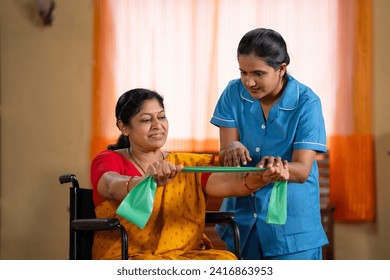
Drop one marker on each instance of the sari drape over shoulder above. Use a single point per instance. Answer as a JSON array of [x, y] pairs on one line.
[[175, 228]]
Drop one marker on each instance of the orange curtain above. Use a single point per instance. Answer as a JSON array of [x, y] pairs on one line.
[[352, 170], [156, 40], [103, 94]]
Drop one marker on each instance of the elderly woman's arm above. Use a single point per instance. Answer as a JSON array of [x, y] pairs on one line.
[[113, 185], [241, 184]]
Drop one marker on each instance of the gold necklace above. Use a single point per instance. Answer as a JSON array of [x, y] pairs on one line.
[[136, 160]]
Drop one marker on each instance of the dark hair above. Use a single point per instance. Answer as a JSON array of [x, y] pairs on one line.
[[266, 44], [128, 105]]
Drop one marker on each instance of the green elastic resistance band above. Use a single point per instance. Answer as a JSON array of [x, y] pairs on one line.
[[137, 206], [277, 206], [220, 169]]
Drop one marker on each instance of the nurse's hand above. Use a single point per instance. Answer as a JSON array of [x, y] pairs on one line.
[[235, 154]]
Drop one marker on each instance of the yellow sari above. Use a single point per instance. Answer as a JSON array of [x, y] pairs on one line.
[[175, 228]]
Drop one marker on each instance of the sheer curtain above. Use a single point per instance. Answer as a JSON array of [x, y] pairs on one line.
[[186, 51]]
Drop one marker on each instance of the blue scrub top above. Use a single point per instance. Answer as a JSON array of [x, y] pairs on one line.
[[294, 122]]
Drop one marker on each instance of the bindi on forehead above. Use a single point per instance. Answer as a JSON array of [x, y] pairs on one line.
[[153, 113]]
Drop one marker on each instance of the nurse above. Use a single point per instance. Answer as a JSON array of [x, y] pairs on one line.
[[269, 118]]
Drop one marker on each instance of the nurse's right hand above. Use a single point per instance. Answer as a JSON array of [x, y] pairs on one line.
[[235, 154]]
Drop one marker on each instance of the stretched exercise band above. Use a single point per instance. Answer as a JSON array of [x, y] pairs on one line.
[[137, 206]]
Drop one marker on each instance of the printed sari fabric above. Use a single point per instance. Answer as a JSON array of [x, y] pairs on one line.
[[175, 228]]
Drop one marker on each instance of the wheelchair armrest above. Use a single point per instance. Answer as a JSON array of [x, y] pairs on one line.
[[226, 218], [95, 224], [219, 217], [103, 224]]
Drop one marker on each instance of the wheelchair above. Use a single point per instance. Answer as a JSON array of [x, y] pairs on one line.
[[83, 222]]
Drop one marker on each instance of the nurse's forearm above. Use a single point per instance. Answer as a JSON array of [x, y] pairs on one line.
[[299, 172]]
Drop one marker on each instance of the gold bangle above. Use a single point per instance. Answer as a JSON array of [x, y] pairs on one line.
[[128, 183], [245, 184]]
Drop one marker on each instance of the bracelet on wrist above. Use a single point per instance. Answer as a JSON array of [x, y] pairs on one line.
[[128, 183], [245, 184]]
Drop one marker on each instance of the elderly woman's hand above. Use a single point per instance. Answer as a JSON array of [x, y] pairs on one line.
[[276, 169], [236, 153], [163, 172]]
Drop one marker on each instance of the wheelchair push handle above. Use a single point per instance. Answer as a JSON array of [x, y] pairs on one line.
[[69, 178]]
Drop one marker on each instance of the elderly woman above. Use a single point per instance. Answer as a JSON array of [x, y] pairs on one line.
[[175, 227]]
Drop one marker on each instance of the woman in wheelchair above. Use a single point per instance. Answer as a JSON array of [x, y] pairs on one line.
[[175, 227]]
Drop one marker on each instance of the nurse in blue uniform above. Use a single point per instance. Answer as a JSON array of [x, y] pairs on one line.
[[269, 118]]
